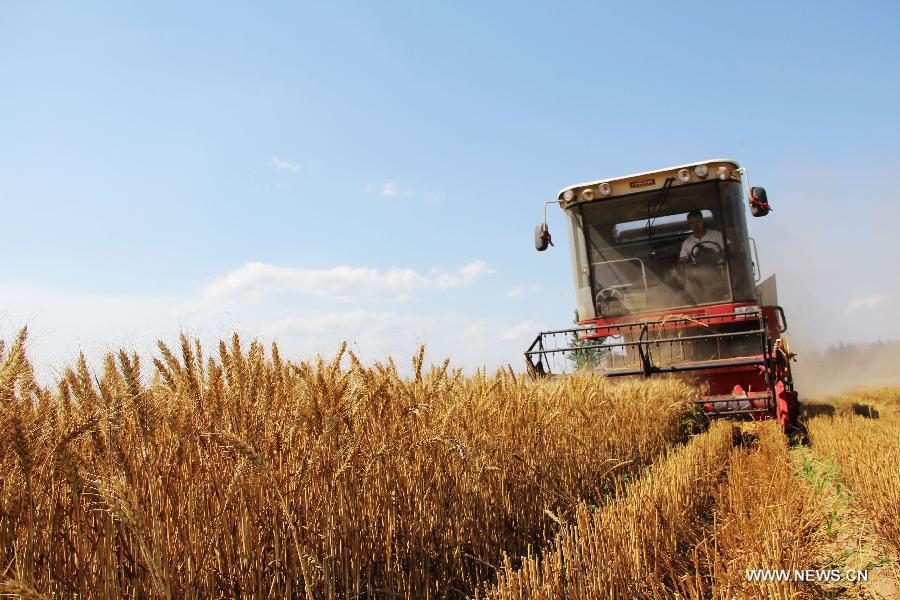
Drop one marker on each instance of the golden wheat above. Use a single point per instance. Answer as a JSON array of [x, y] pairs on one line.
[[239, 473], [865, 453], [243, 474], [630, 547], [764, 517]]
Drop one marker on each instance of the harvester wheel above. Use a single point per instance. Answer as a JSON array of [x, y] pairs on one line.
[[786, 407]]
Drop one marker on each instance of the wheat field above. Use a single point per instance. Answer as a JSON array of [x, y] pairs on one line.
[[236, 473]]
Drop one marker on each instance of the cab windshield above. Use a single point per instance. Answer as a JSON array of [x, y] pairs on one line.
[[668, 248]]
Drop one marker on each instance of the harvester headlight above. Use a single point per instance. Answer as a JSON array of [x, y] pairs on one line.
[[723, 173], [604, 189], [569, 195], [684, 175], [587, 194], [701, 171]]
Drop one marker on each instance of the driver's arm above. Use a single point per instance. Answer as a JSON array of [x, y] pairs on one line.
[[720, 255], [683, 256]]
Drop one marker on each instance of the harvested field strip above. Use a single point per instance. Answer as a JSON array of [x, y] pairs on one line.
[[764, 518], [634, 546], [864, 455], [243, 474], [692, 527], [863, 402]]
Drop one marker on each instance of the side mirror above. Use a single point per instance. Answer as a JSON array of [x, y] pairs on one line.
[[541, 237], [759, 202]]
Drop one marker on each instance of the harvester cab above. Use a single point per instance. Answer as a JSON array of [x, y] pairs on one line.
[[667, 281]]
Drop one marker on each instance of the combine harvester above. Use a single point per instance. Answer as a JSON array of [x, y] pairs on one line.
[[665, 283]]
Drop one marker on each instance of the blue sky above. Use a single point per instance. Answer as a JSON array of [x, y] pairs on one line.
[[309, 172]]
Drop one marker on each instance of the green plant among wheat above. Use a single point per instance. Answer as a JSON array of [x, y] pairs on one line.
[[585, 358]]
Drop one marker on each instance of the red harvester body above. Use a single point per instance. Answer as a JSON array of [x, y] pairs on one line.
[[665, 284]]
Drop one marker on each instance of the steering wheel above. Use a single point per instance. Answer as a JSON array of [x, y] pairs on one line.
[[702, 252], [610, 293], [612, 298]]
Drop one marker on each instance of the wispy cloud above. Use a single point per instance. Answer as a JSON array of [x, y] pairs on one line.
[[388, 189], [521, 331], [468, 342], [434, 197], [518, 292], [391, 189], [867, 303], [284, 164], [256, 280], [105, 323]]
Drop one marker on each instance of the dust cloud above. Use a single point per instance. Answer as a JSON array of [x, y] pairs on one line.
[[842, 368], [833, 244]]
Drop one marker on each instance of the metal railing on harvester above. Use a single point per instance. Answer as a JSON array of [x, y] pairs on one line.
[[673, 344]]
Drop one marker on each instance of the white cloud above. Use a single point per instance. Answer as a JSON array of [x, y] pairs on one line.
[[283, 164], [866, 304], [296, 307], [388, 189], [464, 277], [522, 331], [519, 292], [256, 280], [375, 335], [61, 324], [434, 197]]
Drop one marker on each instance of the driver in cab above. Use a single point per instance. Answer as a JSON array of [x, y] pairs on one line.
[[711, 237], [703, 252]]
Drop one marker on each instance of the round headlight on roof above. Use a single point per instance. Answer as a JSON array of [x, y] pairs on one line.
[[604, 189], [587, 194], [723, 173], [701, 171], [684, 175], [569, 195]]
